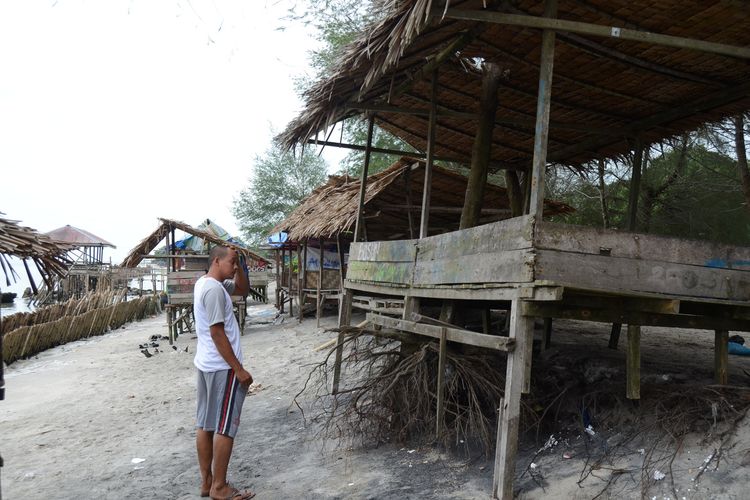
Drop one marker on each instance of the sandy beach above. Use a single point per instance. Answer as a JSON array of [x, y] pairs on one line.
[[97, 419]]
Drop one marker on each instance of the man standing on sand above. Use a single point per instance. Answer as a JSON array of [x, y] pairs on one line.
[[222, 380]]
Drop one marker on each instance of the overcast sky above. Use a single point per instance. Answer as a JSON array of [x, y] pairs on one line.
[[116, 112]]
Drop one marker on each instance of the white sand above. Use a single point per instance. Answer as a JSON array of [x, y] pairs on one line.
[[76, 416]]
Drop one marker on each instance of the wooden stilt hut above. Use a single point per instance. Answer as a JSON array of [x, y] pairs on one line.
[[326, 220], [188, 263], [516, 86], [89, 270]]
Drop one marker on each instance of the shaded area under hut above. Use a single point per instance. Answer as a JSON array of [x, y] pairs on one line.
[[515, 86], [392, 210], [187, 260]]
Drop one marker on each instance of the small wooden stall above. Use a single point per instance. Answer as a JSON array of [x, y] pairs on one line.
[[188, 264], [515, 86], [327, 217]]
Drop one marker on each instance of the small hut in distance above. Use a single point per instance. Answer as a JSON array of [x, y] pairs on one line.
[[89, 270], [392, 211]]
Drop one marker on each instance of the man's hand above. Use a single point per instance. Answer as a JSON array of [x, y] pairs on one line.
[[244, 378]]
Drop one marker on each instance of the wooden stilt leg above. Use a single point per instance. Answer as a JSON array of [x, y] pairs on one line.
[[547, 343], [614, 335], [634, 362], [441, 381], [721, 356], [345, 317], [411, 306], [486, 321], [521, 329]]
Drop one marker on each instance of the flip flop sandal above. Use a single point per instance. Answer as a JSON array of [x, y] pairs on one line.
[[237, 495]]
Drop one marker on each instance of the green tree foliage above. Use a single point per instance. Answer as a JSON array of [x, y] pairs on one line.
[[280, 180], [338, 23], [695, 193]]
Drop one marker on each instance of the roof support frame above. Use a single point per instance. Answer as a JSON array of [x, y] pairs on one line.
[[582, 28]]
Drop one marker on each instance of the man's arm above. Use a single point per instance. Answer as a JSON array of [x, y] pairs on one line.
[[219, 336], [241, 285]]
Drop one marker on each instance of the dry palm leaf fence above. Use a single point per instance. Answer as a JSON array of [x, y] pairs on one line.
[[390, 396], [94, 314]]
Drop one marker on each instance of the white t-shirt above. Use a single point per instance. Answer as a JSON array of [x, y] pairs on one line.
[[212, 304]]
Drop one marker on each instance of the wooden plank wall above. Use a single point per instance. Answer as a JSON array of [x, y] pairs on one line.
[[500, 252], [598, 259]]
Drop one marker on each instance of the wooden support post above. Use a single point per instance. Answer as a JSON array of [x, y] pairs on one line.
[[319, 297], [614, 335], [345, 318], [407, 186], [515, 195], [340, 250], [427, 187], [633, 371], [539, 162], [289, 294], [721, 356], [358, 228], [480, 154], [278, 281], [301, 264], [547, 342], [411, 306], [521, 329], [486, 320], [441, 382]]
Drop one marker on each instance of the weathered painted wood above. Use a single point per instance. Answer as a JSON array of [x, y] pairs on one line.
[[385, 272], [606, 273], [596, 241], [512, 266], [509, 234], [483, 291], [453, 334], [721, 356], [384, 251], [633, 360], [521, 331]]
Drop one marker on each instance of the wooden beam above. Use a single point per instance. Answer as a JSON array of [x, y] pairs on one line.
[[633, 360], [541, 134], [424, 222], [599, 30], [553, 310], [482, 149], [444, 111], [441, 381], [521, 331], [358, 228], [721, 356], [458, 335]]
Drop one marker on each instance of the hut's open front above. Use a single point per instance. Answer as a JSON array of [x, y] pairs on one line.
[[187, 261], [476, 86], [327, 218]]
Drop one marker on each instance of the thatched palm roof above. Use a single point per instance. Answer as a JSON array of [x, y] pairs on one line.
[[605, 90], [331, 209], [77, 236], [26, 243], [152, 240]]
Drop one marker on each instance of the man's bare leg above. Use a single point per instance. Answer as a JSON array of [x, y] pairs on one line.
[[204, 442], [222, 451]]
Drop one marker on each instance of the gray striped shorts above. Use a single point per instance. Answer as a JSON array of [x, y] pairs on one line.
[[220, 398]]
